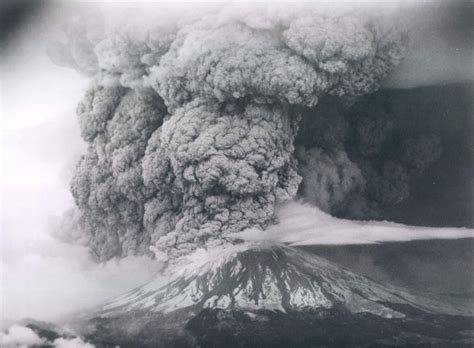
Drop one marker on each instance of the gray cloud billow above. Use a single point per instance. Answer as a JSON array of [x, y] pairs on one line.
[[193, 127], [356, 161]]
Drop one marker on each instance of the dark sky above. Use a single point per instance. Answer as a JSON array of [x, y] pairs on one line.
[[439, 267], [14, 15], [441, 44], [443, 194]]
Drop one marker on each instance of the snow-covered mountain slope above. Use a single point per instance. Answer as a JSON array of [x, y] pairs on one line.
[[274, 296], [274, 278]]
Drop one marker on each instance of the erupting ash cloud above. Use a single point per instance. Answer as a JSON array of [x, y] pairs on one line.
[[197, 128], [357, 160]]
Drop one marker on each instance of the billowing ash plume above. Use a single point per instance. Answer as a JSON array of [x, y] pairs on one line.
[[191, 126], [357, 160], [108, 185]]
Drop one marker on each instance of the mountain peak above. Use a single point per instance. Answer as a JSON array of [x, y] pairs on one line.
[[271, 278], [270, 296]]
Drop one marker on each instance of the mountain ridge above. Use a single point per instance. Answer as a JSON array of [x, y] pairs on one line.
[[272, 296]]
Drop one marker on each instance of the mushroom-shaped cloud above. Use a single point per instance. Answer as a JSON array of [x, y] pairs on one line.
[[221, 156]]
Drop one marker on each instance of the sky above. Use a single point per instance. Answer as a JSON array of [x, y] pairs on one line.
[[40, 144]]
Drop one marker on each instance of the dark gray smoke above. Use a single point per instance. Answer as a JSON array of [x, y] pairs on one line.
[[358, 160], [191, 126]]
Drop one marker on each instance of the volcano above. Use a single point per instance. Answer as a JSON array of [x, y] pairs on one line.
[[275, 297]]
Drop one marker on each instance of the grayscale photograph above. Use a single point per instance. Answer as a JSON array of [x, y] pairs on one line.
[[236, 174]]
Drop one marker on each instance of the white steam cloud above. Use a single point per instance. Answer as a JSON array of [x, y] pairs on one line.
[[23, 336], [20, 336], [304, 224]]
